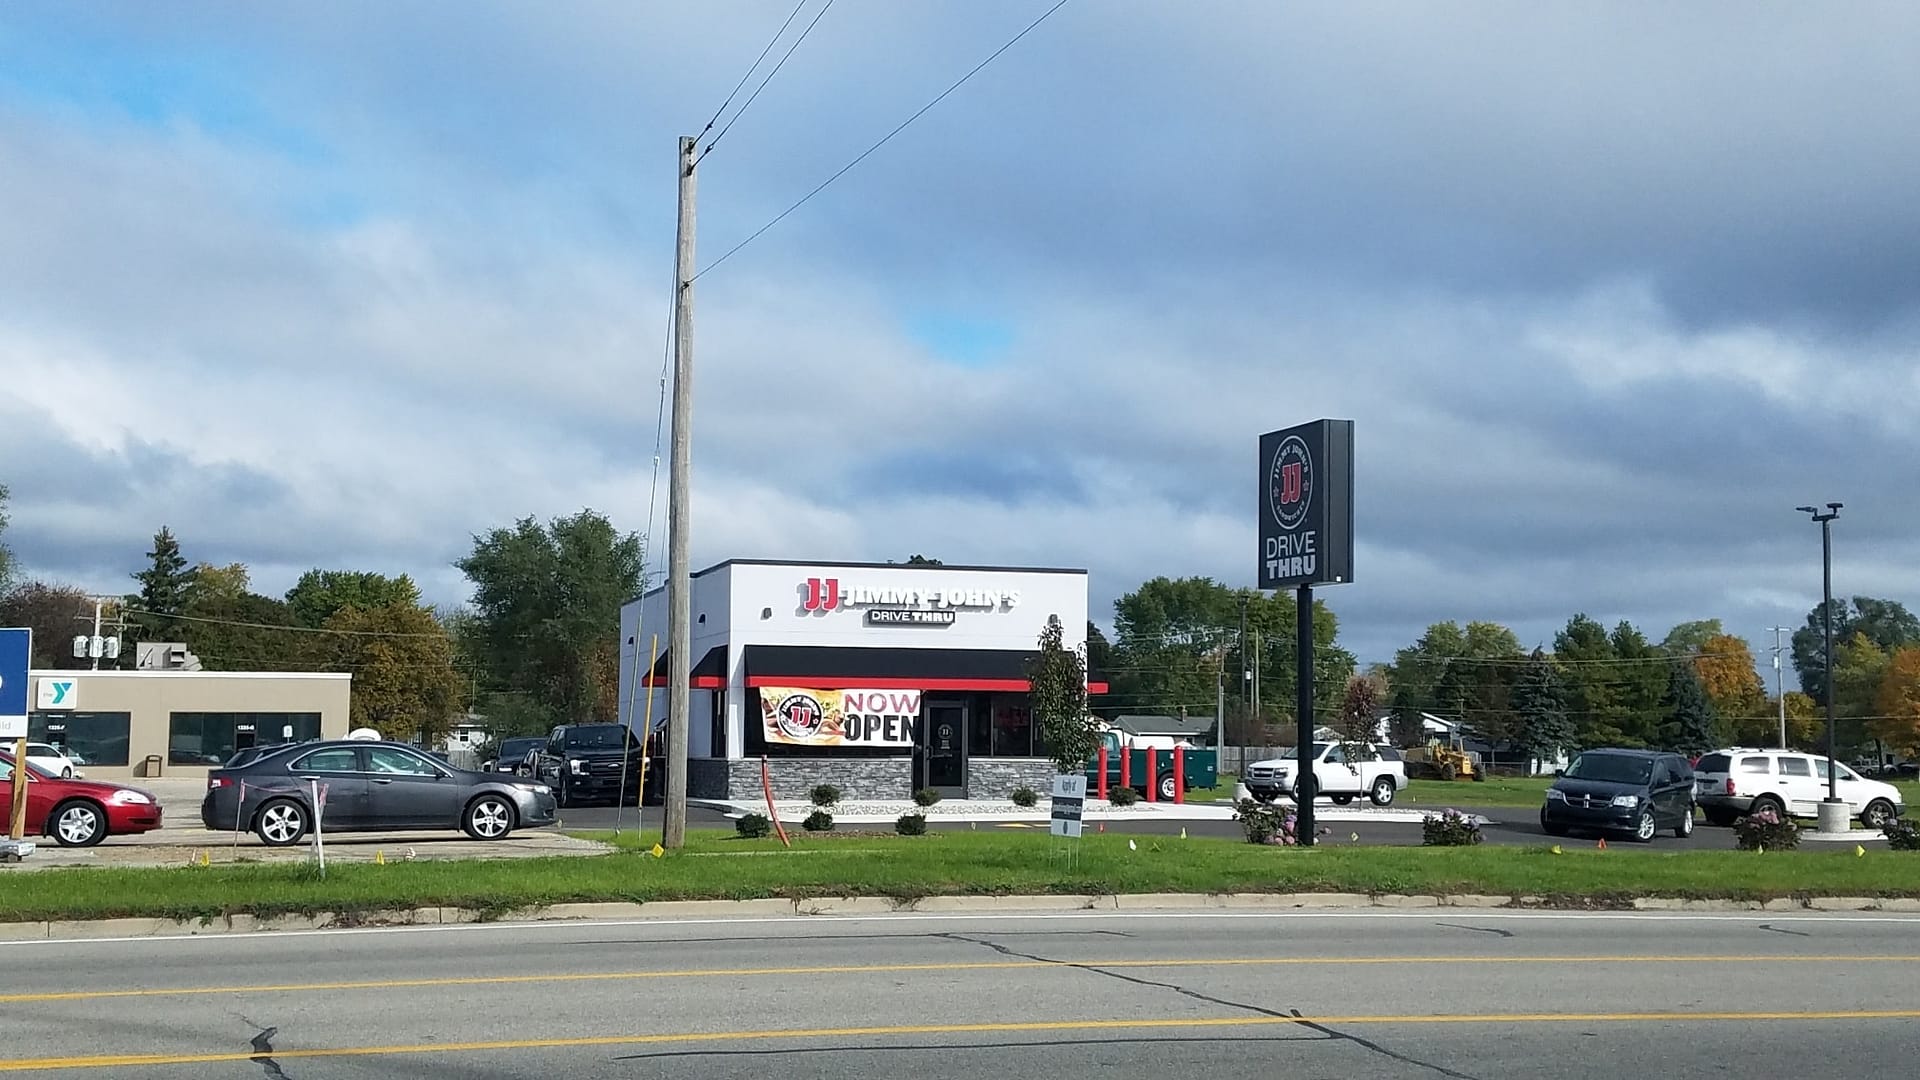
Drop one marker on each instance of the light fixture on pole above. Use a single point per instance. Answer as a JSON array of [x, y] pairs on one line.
[[1826, 620]]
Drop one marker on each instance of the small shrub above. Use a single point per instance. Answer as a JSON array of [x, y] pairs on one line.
[[911, 825], [926, 796], [752, 826], [1124, 796], [825, 795], [1025, 796], [1765, 830], [1266, 823], [1449, 828], [1903, 834], [819, 821]]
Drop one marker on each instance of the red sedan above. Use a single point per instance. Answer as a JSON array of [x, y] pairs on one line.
[[79, 813]]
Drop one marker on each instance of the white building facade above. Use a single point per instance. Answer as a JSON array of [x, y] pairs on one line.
[[878, 678]]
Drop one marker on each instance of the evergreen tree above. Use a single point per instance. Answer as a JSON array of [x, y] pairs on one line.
[[1543, 728], [1691, 726], [165, 587]]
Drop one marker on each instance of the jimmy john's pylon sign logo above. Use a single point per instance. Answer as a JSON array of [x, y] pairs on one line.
[[1306, 505]]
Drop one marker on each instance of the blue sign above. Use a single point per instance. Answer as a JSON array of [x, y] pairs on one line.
[[16, 654]]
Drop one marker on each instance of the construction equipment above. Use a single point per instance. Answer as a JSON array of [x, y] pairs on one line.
[[1439, 761]]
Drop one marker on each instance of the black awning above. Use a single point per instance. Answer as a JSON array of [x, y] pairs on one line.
[[709, 674], [832, 667]]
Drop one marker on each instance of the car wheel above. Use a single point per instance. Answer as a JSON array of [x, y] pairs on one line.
[[1263, 797], [1169, 788], [78, 824], [1878, 814], [280, 823], [1685, 828], [1382, 793], [1550, 828], [1645, 829], [1768, 802], [66, 772], [1341, 800], [489, 817]]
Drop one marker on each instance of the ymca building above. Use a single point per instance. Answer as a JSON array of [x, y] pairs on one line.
[[878, 678]]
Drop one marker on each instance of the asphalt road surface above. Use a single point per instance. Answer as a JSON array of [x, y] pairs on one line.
[[1457, 994]]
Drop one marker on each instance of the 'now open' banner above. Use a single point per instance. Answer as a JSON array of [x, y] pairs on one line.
[[806, 717]]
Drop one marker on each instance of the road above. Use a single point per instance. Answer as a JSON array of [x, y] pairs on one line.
[[1457, 994]]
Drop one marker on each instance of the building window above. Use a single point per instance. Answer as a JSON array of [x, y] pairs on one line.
[[1012, 727], [211, 738], [89, 738]]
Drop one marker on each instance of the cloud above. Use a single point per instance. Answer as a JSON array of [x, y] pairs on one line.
[[1606, 296]]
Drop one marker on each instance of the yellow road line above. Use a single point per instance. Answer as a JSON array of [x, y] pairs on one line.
[[105, 1061], [872, 969]]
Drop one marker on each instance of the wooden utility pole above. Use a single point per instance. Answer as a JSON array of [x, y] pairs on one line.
[[680, 514]]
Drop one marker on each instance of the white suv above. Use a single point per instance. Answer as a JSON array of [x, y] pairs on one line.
[[1732, 783]]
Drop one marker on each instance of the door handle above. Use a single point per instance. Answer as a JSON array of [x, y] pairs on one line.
[[382, 780]]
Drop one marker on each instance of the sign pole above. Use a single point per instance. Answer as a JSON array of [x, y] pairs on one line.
[[17, 820], [1307, 787], [16, 660]]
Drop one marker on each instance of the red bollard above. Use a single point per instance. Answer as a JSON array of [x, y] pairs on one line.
[[1179, 774], [1103, 772], [1126, 767], [1153, 775]]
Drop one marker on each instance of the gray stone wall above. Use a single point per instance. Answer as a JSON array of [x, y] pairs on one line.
[[707, 778], [995, 778], [795, 778]]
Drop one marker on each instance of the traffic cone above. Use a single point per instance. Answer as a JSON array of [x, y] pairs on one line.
[[1858, 850], [1602, 844]]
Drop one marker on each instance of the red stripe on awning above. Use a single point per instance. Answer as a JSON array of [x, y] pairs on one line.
[[838, 682]]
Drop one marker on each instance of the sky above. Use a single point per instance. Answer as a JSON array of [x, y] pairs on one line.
[[1607, 290]]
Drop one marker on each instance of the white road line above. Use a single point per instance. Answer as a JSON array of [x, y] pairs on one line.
[[1422, 914]]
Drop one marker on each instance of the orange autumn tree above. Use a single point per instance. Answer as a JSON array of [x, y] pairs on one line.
[[1725, 666], [1898, 702]]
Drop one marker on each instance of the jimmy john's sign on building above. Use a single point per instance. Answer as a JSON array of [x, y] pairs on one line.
[[1306, 505], [802, 717], [902, 606]]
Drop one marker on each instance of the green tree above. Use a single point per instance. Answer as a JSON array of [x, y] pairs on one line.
[[1641, 675], [1689, 638], [1886, 623], [401, 657], [55, 614], [165, 587], [546, 610], [1425, 678], [1542, 729], [232, 628], [1691, 726], [7, 566], [1360, 711], [1099, 652], [320, 594], [922, 560], [1058, 681], [1897, 704]]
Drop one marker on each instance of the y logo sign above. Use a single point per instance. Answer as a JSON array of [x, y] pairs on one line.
[[57, 694]]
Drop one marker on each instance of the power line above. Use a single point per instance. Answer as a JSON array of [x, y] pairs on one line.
[[771, 42], [293, 629], [763, 82], [755, 235]]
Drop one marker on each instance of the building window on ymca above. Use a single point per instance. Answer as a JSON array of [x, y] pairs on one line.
[[89, 738], [212, 738]]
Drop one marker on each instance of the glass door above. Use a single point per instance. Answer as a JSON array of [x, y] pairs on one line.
[[941, 758]]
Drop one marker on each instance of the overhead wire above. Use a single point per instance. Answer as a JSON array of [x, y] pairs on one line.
[[888, 137], [745, 105], [771, 42]]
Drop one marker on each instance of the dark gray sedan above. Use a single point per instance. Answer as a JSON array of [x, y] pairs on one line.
[[366, 786]]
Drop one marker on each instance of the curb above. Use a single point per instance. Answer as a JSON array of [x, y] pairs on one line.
[[85, 929]]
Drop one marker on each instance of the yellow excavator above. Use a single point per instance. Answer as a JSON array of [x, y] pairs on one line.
[[1440, 761]]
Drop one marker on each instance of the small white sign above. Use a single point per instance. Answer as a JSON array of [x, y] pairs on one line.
[[57, 694], [1069, 797]]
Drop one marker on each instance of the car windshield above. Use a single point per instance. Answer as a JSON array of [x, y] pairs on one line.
[[608, 737], [1611, 768], [1292, 752], [517, 747]]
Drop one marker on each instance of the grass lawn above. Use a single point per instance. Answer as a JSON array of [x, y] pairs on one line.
[[718, 866]]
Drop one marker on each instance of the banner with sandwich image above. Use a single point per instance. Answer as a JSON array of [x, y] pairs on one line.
[[802, 717]]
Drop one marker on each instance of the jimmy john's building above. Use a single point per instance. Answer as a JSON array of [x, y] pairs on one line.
[[878, 678]]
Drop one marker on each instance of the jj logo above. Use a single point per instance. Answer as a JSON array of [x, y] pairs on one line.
[[822, 594]]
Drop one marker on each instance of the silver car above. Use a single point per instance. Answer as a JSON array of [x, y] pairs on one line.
[[355, 785]]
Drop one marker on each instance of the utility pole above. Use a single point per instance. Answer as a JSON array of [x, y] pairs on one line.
[[680, 513], [1779, 683]]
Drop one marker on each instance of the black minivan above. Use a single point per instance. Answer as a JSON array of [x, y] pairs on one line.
[[1637, 792]]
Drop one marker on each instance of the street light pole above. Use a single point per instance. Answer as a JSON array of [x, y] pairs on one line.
[[1826, 620]]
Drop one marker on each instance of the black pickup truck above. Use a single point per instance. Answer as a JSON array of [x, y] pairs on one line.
[[587, 762]]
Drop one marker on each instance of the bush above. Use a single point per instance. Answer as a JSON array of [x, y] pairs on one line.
[[819, 821], [911, 825], [752, 826], [1025, 796], [926, 796], [1765, 830], [824, 795], [1123, 796], [1449, 828], [1903, 834], [1265, 823]]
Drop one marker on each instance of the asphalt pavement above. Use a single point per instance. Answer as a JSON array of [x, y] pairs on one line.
[[1460, 994]]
